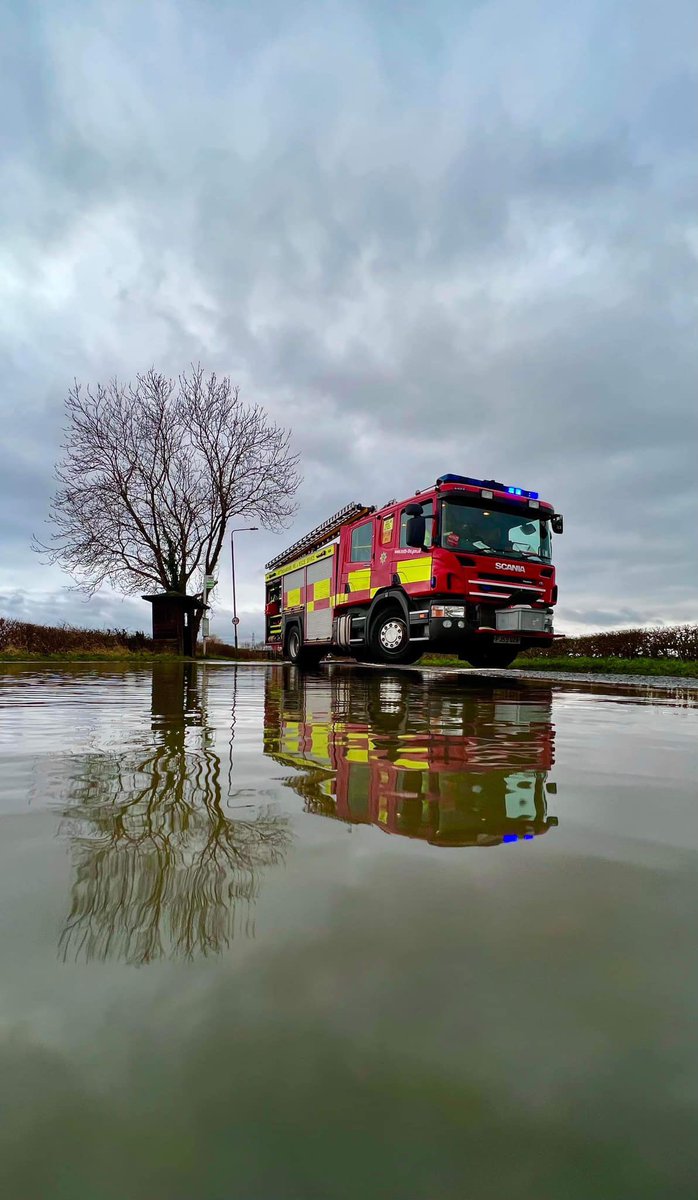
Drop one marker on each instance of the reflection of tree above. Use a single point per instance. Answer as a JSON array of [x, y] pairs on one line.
[[161, 869]]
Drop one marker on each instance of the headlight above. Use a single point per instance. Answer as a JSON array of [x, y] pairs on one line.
[[448, 610]]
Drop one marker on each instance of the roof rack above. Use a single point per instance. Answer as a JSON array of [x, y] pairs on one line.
[[321, 534]]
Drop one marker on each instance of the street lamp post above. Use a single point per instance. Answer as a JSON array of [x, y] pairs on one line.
[[244, 529]]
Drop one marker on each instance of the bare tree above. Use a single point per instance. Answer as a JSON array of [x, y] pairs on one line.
[[152, 473]]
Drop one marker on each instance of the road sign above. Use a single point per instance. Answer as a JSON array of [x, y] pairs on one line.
[[209, 582], [236, 620]]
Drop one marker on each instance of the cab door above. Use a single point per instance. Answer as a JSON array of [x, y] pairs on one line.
[[386, 532], [354, 578], [413, 567]]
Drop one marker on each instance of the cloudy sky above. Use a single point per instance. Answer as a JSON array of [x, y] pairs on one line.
[[446, 236]]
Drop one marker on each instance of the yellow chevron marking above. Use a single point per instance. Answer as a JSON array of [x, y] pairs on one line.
[[414, 570], [357, 756], [320, 742], [321, 589], [310, 606], [360, 581], [293, 598]]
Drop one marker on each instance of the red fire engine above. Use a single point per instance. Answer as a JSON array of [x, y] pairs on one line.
[[433, 761], [463, 567]]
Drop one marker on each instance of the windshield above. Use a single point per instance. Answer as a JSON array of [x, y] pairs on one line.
[[486, 531]]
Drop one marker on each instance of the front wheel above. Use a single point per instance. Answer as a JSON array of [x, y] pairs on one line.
[[491, 656], [389, 639]]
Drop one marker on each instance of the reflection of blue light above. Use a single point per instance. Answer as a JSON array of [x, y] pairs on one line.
[[528, 837], [510, 837]]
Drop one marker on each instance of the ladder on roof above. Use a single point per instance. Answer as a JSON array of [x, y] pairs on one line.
[[321, 534]]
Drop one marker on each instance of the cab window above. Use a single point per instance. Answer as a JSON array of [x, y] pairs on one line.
[[428, 510], [361, 542]]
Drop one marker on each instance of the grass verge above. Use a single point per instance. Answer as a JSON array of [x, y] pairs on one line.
[[13, 655], [587, 665], [612, 666]]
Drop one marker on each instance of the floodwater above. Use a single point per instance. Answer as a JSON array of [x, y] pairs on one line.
[[363, 933]]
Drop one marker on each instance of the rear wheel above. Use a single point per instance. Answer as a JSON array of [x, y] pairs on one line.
[[300, 654], [389, 640], [491, 656]]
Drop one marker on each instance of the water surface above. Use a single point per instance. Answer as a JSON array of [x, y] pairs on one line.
[[359, 933]]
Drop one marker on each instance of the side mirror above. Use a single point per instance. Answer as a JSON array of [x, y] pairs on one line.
[[416, 532], [557, 523]]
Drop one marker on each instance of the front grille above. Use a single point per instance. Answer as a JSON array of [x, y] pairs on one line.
[[504, 578], [517, 590]]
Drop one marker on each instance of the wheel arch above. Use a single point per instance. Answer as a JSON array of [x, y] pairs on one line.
[[386, 598], [289, 623]]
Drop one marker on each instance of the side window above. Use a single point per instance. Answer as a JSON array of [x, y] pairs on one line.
[[361, 542], [428, 510]]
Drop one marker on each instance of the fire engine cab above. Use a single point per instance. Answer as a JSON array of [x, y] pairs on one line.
[[462, 567]]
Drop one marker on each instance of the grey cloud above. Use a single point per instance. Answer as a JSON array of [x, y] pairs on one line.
[[459, 240], [615, 617], [68, 607]]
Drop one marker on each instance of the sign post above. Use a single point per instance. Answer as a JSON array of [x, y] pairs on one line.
[[209, 584], [243, 529]]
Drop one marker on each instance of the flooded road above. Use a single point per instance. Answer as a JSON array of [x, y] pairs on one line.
[[366, 933]]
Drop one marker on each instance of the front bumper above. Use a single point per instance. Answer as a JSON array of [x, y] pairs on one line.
[[519, 625]]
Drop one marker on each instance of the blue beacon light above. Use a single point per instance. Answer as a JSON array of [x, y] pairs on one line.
[[514, 491], [488, 483], [510, 837]]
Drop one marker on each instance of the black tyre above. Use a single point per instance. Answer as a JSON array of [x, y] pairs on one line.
[[491, 656], [389, 640], [307, 657]]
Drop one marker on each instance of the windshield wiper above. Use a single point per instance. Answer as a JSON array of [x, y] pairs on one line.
[[505, 553]]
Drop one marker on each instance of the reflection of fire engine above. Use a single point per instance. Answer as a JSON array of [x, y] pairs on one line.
[[431, 761]]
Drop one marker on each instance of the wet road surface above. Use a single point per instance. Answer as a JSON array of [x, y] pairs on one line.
[[380, 933]]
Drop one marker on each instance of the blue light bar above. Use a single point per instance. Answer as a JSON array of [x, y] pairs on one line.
[[510, 837], [522, 492], [488, 483]]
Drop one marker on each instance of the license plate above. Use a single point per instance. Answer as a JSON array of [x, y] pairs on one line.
[[511, 641]]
